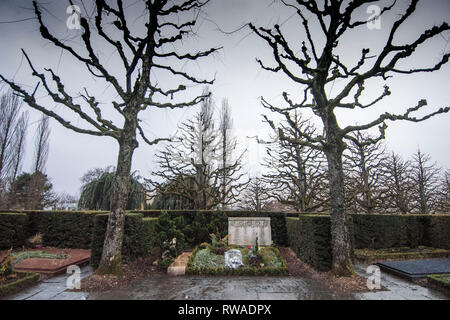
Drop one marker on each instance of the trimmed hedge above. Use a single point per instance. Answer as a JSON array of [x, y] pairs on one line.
[[61, 229], [309, 235], [12, 230], [439, 231], [68, 229], [375, 231], [138, 237], [310, 238], [196, 220]]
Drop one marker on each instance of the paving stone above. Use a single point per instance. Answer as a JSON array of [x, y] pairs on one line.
[[163, 287], [178, 267], [50, 288]]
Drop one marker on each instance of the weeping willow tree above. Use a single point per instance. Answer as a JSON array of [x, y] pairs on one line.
[[176, 195], [96, 193]]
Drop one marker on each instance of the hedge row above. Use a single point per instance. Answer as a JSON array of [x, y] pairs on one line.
[[68, 230], [12, 226], [74, 229], [310, 238], [389, 231], [439, 231], [61, 229], [309, 235], [138, 238], [200, 223]]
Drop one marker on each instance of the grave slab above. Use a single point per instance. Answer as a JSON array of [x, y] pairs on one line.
[[242, 231], [416, 269]]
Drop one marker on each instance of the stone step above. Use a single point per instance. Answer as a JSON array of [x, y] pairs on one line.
[[178, 267]]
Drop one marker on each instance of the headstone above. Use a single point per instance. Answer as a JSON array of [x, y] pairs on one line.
[[233, 258], [243, 231]]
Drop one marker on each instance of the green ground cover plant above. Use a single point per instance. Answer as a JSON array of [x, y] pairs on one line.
[[206, 259]]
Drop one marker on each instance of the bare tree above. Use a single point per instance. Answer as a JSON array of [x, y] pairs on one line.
[[425, 176], [398, 184], [443, 196], [19, 145], [315, 65], [228, 145], [41, 144], [363, 165], [9, 114], [195, 165], [296, 174], [143, 53], [255, 195]]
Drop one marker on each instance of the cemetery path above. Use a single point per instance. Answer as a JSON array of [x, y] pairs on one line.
[[164, 287]]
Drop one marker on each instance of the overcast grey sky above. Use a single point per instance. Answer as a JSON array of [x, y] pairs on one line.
[[238, 78]]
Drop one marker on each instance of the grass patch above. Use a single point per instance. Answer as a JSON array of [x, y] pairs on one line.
[[19, 256], [400, 253], [204, 261], [440, 282]]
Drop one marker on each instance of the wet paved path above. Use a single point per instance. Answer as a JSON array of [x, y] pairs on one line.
[[222, 288], [54, 288], [163, 287], [399, 289]]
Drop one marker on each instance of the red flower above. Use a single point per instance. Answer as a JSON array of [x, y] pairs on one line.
[[249, 247]]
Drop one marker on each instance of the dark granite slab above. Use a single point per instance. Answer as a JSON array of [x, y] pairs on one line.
[[414, 269]]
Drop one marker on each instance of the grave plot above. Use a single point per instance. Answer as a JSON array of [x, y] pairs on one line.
[[50, 261], [247, 250], [416, 269]]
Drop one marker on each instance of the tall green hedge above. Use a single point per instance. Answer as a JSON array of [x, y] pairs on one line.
[[138, 237], [309, 235], [378, 231], [200, 223], [310, 238], [61, 229], [12, 230], [439, 231], [68, 229]]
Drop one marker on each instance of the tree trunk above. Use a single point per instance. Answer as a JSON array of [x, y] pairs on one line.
[[340, 238], [111, 261]]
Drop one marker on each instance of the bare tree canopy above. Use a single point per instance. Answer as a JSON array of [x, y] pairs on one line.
[[195, 166], [42, 144], [314, 65], [398, 184], [296, 174], [255, 196], [9, 119], [19, 145], [363, 164], [142, 54], [425, 177]]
